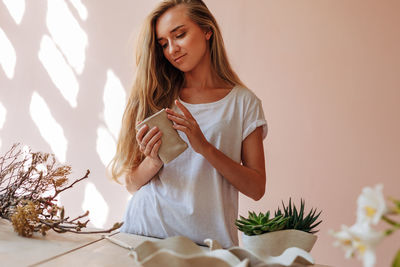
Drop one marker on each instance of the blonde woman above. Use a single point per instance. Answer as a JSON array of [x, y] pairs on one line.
[[182, 66]]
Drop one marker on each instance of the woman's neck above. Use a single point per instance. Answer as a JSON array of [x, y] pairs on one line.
[[204, 80], [203, 76]]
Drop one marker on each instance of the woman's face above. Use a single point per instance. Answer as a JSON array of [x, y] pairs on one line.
[[183, 42]]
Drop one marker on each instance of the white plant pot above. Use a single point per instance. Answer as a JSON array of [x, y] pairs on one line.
[[275, 243]]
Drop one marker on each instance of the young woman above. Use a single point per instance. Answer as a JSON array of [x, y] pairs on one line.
[[182, 66]]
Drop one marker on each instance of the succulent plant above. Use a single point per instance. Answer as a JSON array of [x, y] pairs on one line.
[[260, 224], [296, 219], [289, 218]]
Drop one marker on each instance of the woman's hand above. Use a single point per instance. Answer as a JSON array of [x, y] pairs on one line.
[[187, 124], [149, 143]]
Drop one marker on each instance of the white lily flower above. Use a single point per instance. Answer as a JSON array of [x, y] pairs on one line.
[[365, 241], [344, 240], [371, 205], [359, 239]]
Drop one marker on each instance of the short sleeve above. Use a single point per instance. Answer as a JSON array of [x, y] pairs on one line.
[[253, 116]]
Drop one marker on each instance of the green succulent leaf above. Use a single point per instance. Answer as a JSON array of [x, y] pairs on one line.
[[289, 217]]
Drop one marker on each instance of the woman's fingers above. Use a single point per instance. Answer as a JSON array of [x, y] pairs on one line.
[[156, 147], [173, 113], [186, 119], [181, 128], [149, 142], [185, 111], [179, 120], [154, 139], [147, 139], [141, 132], [187, 124], [153, 131]]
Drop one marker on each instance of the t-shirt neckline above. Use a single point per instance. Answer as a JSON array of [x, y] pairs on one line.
[[210, 103]]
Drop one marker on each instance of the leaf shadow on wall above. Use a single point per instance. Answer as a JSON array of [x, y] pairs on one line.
[[77, 107]]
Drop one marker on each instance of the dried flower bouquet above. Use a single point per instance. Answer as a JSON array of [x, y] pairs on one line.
[[30, 183]]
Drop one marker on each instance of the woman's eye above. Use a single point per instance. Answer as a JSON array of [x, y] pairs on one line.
[[181, 35], [164, 45]]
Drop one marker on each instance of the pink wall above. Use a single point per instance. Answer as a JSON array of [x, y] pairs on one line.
[[327, 73]]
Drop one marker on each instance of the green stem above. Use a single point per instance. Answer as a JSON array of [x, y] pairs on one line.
[[396, 261], [390, 221], [389, 231], [393, 211]]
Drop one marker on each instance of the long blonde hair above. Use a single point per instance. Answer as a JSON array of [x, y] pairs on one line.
[[157, 82]]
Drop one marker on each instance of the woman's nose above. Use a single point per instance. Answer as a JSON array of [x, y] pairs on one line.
[[173, 48]]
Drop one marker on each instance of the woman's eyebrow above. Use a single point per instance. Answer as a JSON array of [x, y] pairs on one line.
[[173, 30]]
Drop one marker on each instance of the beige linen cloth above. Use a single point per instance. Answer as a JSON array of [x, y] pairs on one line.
[[172, 144]]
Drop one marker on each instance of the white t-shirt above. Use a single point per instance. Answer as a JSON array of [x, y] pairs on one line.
[[189, 197]]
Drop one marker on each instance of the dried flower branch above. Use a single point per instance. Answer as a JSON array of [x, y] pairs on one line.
[[29, 185]]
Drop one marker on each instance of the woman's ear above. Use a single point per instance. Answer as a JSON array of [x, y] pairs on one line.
[[208, 34]]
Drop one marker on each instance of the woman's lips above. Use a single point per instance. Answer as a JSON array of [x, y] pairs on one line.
[[178, 59]]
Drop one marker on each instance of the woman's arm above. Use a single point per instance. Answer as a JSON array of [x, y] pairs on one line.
[[149, 143], [248, 178], [142, 174]]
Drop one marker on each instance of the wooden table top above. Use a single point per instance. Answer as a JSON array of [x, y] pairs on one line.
[[66, 249]]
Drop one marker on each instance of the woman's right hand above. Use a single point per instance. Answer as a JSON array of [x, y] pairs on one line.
[[149, 142]]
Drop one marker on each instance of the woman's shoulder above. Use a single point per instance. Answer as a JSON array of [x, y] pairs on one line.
[[245, 93]]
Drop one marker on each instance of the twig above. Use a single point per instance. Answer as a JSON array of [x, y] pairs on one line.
[[22, 188], [71, 185]]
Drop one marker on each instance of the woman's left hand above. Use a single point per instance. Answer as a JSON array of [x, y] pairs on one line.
[[187, 124]]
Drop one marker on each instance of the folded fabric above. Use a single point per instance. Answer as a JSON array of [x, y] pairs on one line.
[[172, 144], [181, 251]]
